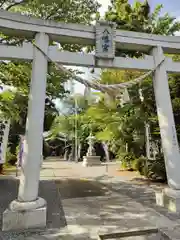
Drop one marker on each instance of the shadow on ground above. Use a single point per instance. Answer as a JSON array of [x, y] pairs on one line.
[[53, 191], [75, 188], [143, 194], [84, 201], [47, 189]]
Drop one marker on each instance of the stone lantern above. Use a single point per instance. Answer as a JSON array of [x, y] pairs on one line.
[[91, 159], [91, 151]]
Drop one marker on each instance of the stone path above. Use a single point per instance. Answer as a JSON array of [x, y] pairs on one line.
[[86, 202]]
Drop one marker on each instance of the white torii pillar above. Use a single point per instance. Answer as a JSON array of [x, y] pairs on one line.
[[29, 211], [171, 196]]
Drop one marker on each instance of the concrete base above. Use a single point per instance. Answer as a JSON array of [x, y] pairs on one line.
[[91, 161], [22, 220], [25, 215], [170, 199]]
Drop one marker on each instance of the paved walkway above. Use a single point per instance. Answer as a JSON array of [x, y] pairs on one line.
[[86, 202]]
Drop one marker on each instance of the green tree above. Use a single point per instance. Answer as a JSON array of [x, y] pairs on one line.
[[16, 75], [139, 18], [125, 125], [74, 121]]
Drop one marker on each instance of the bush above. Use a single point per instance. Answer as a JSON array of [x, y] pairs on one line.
[[46, 149], [11, 159], [1, 168], [139, 165], [153, 169], [127, 160], [157, 168]]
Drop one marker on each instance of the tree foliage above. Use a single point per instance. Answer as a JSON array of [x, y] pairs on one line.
[[16, 76], [139, 17], [123, 127]]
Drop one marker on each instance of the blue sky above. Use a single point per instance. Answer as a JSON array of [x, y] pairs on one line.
[[172, 6]]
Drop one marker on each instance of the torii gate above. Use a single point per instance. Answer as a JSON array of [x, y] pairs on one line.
[[28, 210]]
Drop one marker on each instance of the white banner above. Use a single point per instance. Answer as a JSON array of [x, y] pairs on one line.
[[4, 134], [21, 150]]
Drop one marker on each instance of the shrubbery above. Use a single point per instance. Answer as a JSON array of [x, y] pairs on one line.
[[152, 169], [11, 159], [127, 160]]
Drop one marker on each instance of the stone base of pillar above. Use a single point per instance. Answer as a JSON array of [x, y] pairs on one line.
[[170, 199], [91, 161], [25, 215]]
